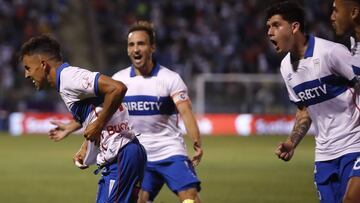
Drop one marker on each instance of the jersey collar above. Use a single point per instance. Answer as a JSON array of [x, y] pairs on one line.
[[153, 72], [310, 49], [58, 72]]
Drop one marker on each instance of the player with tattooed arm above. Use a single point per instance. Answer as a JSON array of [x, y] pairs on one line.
[[321, 82]]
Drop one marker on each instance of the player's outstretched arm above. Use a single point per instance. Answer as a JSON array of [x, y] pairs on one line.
[[62, 130], [285, 150], [192, 129], [114, 92]]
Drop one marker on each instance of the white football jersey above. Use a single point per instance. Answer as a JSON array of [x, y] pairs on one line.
[[79, 89], [355, 51], [321, 82], [151, 104]]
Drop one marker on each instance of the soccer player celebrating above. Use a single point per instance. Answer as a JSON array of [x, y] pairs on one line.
[[346, 20], [95, 103], [320, 81], [154, 98]]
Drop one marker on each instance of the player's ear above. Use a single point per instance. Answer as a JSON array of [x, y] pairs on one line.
[[45, 66], [355, 14], [153, 48], [295, 26]]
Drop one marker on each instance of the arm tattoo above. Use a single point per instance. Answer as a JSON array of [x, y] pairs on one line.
[[302, 125]]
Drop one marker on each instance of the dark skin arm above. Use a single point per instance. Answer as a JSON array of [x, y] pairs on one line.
[[285, 150], [62, 130], [114, 92], [80, 155]]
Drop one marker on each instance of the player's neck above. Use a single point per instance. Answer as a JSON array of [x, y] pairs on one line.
[[357, 33], [299, 48], [51, 77], [146, 70]]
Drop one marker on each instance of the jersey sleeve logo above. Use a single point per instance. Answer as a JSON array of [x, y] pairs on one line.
[[86, 82], [289, 77]]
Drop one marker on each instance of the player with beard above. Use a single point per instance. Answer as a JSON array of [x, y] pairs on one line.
[[321, 82], [155, 98], [346, 20]]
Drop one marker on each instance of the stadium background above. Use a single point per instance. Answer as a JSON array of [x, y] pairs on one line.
[[193, 38]]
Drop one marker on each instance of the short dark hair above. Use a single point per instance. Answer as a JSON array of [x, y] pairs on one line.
[[42, 44], [355, 1], [289, 11], [144, 26]]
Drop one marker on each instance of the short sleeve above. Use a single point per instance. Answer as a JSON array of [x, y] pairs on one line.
[[80, 82], [340, 62], [178, 90]]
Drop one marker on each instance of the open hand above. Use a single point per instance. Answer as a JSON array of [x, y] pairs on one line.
[[59, 132]]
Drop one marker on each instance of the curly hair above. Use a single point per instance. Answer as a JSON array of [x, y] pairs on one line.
[[42, 44]]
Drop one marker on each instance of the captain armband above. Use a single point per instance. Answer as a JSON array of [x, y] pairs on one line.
[[180, 97]]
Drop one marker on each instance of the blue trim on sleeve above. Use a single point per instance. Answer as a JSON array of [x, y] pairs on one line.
[[356, 70], [310, 49], [96, 84], [58, 73]]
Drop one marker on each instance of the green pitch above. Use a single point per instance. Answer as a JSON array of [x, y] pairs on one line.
[[34, 169]]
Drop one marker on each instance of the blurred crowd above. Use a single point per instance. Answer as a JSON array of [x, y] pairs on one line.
[[20, 20], [215, 36], [193, 36]]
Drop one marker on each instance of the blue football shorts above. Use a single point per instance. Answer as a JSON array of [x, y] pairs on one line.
[[120, 181], [355, 172], [331, 177], [176, 171]]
